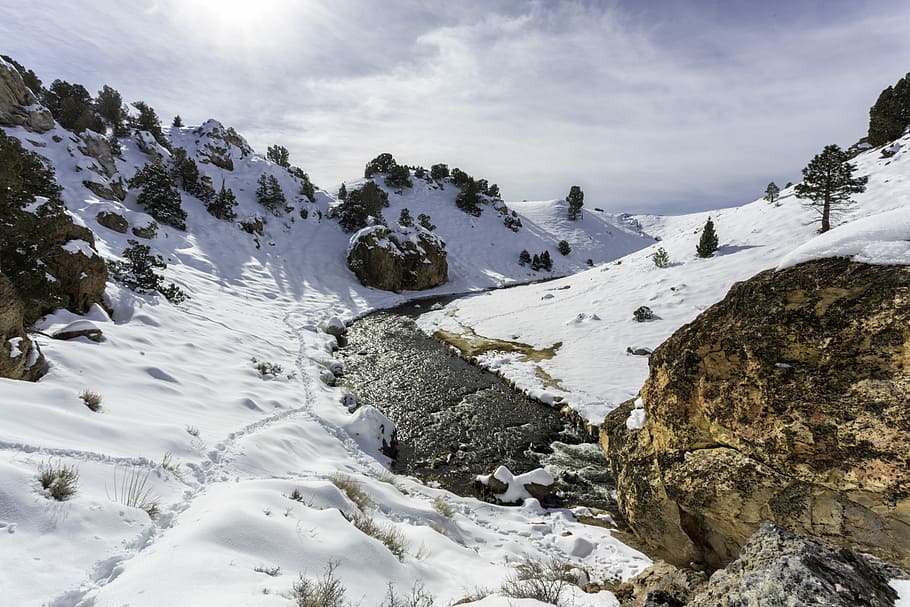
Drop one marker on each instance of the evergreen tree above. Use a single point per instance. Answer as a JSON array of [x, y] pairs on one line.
[[307, 189], [138, 273], [342, 192], [178, 121], [279, 155], [707, 244], [399, 177], [384, 163], [360, 205], [159, 196], [185, 173], [789, 185], [564, 247], [439, 171], [26, 235], [772, 192], [661, 258], [404, 218], [424, 220], [493, 192], [576, 200], [270, 195], [890, 114], [535, 262], [524, 258], [468, 200], [545, 262], [72, 106], [828, 183], [460, 178], [148, 121], [222, 204], [109, 105]]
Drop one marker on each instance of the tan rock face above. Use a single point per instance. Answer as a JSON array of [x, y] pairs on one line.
[[20, 357], [18, 105], [394, 261], [787, 401]]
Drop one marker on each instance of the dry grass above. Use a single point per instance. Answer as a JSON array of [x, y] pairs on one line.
[[92, 400], [58, 480], [473, 345], [351, 488], [443, 507], [418, 597], [132, 489], [169, 465], [325, 591], [389, 535]]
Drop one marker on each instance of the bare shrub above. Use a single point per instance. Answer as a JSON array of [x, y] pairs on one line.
[[58, 479], [545, 581], [417, 598], [443, 507], [389, 535], [325, 591], [92, 400], [350, 488]]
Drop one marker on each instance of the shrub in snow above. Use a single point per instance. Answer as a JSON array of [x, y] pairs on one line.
[[91, 399], [545, 581], [417, 598], [524, 258], [159, 196], [266, 368], [138, 273], [58, 480], [443, 507], [388, 534], [828, 184], [350, 488], [643, 313], [576, 200], [270, 195], [512, 221], [325, 591], [307, 189], [133, 490], [563, 247], [707, 244], [660, 258]]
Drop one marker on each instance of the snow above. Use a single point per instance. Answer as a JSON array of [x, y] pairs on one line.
[[515, 491], [592, 371], [903, 590], [79, 246], [179, 381], [15, 347], [636, 419]]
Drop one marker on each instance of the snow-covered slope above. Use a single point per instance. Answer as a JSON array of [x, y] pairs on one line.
[[221, 446], [590, 314]]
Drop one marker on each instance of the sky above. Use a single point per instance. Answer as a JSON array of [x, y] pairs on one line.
[[651, 106]]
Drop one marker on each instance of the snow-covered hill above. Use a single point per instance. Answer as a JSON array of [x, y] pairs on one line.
[[590, 314], [219, 445]]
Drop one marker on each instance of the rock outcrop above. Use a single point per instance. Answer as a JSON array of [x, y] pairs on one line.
[[80, 272], [20, 357], [221, 144], [786, 401], [112, 221], [18, 104], [410, 258]]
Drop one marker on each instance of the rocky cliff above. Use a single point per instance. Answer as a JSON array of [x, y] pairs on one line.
[[786, 401], [18, 105]]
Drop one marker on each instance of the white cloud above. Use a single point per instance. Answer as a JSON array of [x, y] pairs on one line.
[[645, 111]]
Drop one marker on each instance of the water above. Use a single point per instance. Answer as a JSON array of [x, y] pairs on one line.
[[455, 420]]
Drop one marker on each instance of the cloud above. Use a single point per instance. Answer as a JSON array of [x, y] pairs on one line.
[[654, 108]]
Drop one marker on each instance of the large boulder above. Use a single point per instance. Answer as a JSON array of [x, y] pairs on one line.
[[786, 401], [20, 357], [411, 258], [18, 105]]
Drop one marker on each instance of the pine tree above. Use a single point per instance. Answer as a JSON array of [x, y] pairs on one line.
[[360, 205], [279, 155], [493, 192], [404, 218], [828, 183], [535, 262], [661, 258], [564, 247], [399, 177], [772, 192], [460, 178], [159, 196], [439, 171], [73, 107], [707, 244], [576, 200], [148, 121], [178, 121], [269, 194], [384, 163], [545, 262], [342, 192], [524, 258], [186, 174], [890, 114], [468, 199], [424, 220], [109, 105], [222, 204]]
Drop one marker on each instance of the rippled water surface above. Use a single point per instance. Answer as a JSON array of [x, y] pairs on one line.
[[455, 420]]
